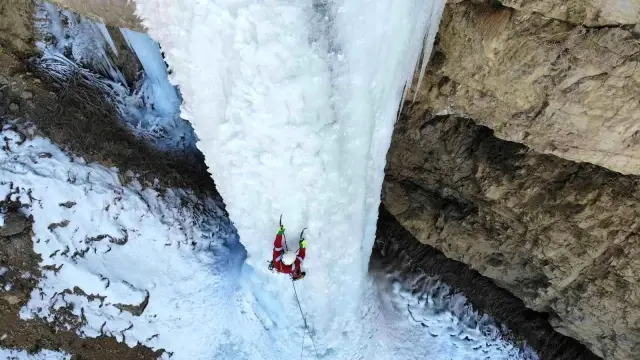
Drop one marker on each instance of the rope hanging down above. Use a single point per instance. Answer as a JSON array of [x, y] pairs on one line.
[[306, 327]]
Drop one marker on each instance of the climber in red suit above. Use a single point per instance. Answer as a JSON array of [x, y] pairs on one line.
[[288, 262]]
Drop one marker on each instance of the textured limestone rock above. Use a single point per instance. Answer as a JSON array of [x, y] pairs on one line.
[[117, 13], [562, 236], [559, 88], [14, 224], [16, 27], [587, 12]]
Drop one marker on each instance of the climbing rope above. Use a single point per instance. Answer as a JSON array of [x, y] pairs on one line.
[[302, 346], [304, 319]]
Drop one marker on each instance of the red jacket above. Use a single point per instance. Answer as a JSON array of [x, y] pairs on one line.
[[278, 252]]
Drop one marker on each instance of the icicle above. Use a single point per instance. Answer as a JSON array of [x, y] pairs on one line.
[[107, 37], [437, 6], [166, 96]]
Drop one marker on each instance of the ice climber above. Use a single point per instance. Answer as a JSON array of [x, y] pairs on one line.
[[288, 262]]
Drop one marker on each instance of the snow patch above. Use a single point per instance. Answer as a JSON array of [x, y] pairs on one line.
[[158, 267], [12, 354], [443, 322]]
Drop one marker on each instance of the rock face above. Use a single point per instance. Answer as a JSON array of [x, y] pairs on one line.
[[587, 12], [117, 13], [397, 252], [557, 87], [16, 27], [562, 236], [14, 223]]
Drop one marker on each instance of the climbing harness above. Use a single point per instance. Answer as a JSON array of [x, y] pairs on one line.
[[306, 327]]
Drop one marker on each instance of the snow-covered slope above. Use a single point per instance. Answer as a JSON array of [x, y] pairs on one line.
[[141, 265]]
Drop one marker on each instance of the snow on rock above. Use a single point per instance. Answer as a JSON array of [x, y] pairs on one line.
[[81, 40], [294, 104], [426, 312], [157, 267], [11, 354]]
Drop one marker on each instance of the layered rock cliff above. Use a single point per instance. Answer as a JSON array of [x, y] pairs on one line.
[[558, 232], [562, 236], [553, 85]]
